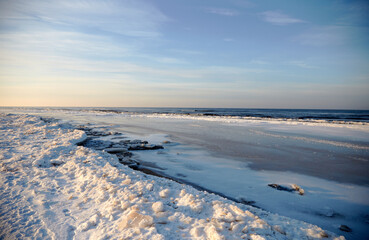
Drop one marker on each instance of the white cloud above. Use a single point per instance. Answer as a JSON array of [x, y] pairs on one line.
[[76, 29], [277, 18], [261, 62], [170, 60], [301, 64], [186, 52], [323, 36], [131, 18], [223, 11]]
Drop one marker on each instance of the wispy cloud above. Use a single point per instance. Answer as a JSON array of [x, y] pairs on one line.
[[261, 62], [170, 60], [356, 15], [186, 52], [65, 43], [323, 36], [78, 29], [131, 18], [278, 18], [223, 11], [17, 64], [301, 64]]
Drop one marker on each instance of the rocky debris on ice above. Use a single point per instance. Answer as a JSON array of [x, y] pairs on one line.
[[96, 144], [94, 133], [247, 202], [112, 147], [115, 149], [92, 196], [145, 147], [291, 188], [121, 149], [345, 228]]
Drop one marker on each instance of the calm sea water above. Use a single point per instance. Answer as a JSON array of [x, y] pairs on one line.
[[301, 114], [296, 114]]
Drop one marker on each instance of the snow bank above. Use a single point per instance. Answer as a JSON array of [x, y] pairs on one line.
[[53, 189]]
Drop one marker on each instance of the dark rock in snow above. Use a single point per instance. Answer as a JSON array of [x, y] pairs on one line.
[[95, 144], [280, 187], [137, 142], [56, 163], [115, 150], [181, 175], [122, 155], [345, 228], [133, 166], [293, 188], [246, 202], [119, 137], [145, 147], [118, 146], [98, 133]]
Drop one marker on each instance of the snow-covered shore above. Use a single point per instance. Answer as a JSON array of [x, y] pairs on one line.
[[53, 189]]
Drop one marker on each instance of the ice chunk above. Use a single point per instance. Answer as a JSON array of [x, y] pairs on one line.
[[197, 232], [158, 207], [164, 193], [135, 220], [298, 189], [212, 233]]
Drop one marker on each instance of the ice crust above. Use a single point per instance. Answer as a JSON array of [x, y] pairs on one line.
[[53, 189]]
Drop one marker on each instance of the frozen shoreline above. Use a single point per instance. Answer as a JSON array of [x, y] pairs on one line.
[[270, 145], [55, 189]]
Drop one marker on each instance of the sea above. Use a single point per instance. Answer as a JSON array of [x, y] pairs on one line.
[[314, 115]]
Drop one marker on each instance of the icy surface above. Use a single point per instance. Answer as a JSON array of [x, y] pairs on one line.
[[53, 189]]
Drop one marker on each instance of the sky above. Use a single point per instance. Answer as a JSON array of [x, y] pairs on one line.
[[172, 53]]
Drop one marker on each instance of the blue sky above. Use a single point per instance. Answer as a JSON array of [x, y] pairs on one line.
[[171, 53]]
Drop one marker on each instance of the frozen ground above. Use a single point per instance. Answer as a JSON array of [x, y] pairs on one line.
[[53, 189], [329, 161]]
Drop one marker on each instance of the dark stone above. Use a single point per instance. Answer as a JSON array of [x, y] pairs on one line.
[[95, 144], [98, 133], [144, 147], [115, 150], [125, 154], [55, 164], [345, 228], [246, 202], [133, 166], [281, 188], [119, 137]]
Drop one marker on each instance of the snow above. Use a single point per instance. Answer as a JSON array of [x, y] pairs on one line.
[[53, 189]]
